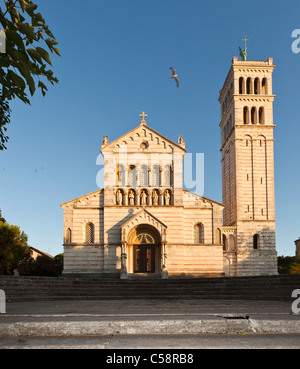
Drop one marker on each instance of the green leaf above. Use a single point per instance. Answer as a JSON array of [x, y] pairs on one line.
[[39, 18], [13, 14], [16, 38], [50, 42], [44, 54], [4, 62], [17, 79], [43, 87], [22, 4], [26, 29], [30, 82], [31, 8], [35, 55], [56, 51]]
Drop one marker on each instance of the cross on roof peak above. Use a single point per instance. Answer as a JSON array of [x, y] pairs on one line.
[[245, 39], [143, 115]]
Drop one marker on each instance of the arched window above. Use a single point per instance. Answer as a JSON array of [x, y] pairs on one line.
[[155, 176], [256, 86], [246, 115], [68, 236], [248, 140], [166, 180], [224, 242], [120, 175], [264, 86], [253, 115], [199, 233], [241, 86], [89, 233], [255, 241], [261, 115], [231, 243], [132, 176], [144, 176], [218, 236]]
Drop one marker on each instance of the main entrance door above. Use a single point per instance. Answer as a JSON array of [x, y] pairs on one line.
[[144, 258], [144, 249]]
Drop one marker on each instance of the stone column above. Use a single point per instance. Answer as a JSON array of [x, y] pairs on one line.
[[162, 198], [164, 270], [150, 198], [252, 86], [123, 274], [149, 176]]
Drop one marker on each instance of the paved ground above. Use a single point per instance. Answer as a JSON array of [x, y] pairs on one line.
[[150, 324], [165, 342]]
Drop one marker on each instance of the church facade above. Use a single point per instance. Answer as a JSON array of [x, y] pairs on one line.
[[145, 223]]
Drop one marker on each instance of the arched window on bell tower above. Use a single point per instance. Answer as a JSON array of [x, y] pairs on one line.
[[241, 85], [256, 86], [264, 87], [253, 115], [246, 115], [255, 241], [261, 115]]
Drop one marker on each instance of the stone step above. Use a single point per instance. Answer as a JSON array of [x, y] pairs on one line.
[[33, 288], [153, 297]]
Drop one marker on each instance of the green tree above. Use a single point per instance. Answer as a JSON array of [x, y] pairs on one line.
[[1, 218], [288, 264], [13, 247], [42, 266], [24, 65]]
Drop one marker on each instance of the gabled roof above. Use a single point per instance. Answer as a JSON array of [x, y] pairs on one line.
[[80, 197], [202, 197], [104, 147], [41, 252], [142, 215]]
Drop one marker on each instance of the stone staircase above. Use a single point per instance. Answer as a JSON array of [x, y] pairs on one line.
[[68, 288]]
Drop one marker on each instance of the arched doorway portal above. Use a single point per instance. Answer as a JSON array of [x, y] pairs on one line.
[[145, 244]]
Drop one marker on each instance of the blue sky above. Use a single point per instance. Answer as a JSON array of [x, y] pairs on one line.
[[115, 62]]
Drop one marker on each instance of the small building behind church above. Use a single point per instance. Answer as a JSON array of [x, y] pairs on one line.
[[297, 243], [145, 223]]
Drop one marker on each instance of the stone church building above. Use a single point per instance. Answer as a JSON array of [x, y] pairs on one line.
[[144, 223]]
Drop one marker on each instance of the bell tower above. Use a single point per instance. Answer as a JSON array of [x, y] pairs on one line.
[[248, 167]]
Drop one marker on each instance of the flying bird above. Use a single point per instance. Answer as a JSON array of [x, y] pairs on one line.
[[174, 76]]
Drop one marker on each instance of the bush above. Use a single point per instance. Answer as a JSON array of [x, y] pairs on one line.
[[42, 266], [289, 264]]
